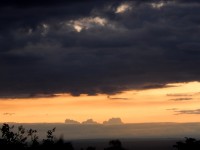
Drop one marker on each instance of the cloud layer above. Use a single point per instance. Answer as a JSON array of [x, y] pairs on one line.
[[96, 47]]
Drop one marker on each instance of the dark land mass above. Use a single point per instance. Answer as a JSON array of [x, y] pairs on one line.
[[122, 131], [129, 144], [145, 136]]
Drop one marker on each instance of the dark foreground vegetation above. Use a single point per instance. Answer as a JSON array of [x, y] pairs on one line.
[[22, 139], [188, 144]]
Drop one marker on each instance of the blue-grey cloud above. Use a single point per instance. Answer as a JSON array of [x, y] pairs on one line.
[[97, 46]]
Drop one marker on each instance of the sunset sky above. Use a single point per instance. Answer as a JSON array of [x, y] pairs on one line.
[[137, 60], [177, 103]]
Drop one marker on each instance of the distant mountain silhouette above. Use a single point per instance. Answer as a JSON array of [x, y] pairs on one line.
[[113, 121], [69, 121], [90, 121]]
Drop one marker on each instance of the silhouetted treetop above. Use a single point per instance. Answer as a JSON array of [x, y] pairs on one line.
[[188, 144], [18, 140], [115, 145]]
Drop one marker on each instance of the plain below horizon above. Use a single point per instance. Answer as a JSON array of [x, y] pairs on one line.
[[120, 131]]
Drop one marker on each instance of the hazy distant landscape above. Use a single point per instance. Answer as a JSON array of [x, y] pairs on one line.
[[139, 136], [129, 144], [137, 131]]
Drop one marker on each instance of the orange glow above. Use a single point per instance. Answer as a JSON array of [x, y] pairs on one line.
[[155, 105]]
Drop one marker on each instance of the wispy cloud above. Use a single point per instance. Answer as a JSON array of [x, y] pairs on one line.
[[8, 114], [179, 95], [172, 109], [181, 99], [195, 111], [117, 98]]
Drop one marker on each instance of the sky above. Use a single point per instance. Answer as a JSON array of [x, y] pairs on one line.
[[133, 59]]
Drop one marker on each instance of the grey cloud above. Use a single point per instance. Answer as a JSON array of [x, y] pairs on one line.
[[41, 52], [156, 86]]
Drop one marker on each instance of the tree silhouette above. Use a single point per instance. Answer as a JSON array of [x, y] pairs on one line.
[[20, 135], [23, 139], [91, 148], [188, 144], [34, 138], [115, 145], [50, 138], [13, 140], [18, 140], [7, 134]]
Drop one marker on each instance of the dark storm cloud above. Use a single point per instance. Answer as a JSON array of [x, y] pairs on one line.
[[96, 46], [156, 86]]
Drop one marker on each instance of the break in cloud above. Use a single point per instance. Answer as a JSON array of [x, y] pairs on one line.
[[96, 46]]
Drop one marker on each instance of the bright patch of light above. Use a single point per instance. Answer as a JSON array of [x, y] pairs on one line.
[[86, 23], [123, 8], [158, 5], [99, 20], [45, 26], [45, 29], [78, 28]]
